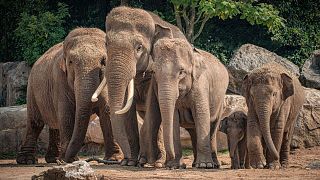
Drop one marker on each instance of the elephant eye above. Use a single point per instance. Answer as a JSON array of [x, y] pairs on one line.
[[139, 48], [182, 72], [70, 62], [274, 94], [103, 62]]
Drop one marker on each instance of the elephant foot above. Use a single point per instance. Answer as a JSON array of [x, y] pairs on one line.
[[26, 159], [216, 164], [256, 163], [205, 162], [142, 161], [51, 159], [115, 157], [27, 156], [70, 160], [204, 165], [128, 162], [284, 165], [273, 165], [158, 164], [175, 164]]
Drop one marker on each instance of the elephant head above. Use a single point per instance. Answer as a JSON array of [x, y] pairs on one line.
[[84, 58], [176, 66], [234, 126], [265, 91]]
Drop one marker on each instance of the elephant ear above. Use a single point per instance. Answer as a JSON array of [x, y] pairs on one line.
[[287, 86], [161, 32], [62, 64], [224, 125], [198, 65]]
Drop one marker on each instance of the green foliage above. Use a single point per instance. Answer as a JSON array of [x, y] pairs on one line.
[[37, 33], [301, 35], [255, 13]]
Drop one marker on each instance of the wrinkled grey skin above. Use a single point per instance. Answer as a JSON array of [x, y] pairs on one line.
[[274, 98], [189, 85], [235, 127], [130, 35], [59, 92]]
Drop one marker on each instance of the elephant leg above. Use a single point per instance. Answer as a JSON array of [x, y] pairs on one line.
[[176, 163], [254, 144], [202, 124], [151, 134], [132, 130], [285, 148], [214, 151], [193, 136], [53, 151], [112, 150], [242, 148], [66, 116], [235, 160], [27, 153]]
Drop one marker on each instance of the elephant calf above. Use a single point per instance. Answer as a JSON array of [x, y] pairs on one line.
[[189, 85], [235, 127], [59, 92], [274, 98]]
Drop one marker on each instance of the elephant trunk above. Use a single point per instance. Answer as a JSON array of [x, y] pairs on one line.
[[264, 114], [84, 87], [118, 75], [167, 98], [233, 144]]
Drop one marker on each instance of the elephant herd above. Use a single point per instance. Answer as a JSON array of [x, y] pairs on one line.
[[143, 64]]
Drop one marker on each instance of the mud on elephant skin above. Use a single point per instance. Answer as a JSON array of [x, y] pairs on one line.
[[189, 85], [60, 86], [130, 34], [235, 127], [274, 98]]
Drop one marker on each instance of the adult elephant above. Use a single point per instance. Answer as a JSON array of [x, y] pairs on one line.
[[59, 92], [130, 35], [189, 85], [274, 98]]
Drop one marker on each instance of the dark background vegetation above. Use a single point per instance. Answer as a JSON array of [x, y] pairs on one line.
[[30, 27]]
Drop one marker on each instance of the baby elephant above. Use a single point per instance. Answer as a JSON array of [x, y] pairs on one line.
[[235, 127], [189, 85], [274, 98]]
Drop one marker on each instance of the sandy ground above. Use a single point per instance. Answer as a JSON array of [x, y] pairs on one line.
[[304, 164]]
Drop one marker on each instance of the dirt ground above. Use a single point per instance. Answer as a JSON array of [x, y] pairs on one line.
[[304, 164]]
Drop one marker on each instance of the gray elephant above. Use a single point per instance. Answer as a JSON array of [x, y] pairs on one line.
[[274, 98], [235, 127], [130, 35], [189, 85], [59, 92]]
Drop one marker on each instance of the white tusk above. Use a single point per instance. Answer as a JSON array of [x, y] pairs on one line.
[[129, 99], [95, 95]]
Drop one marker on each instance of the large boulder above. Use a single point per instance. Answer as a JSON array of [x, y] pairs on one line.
[[13, 82], [249, 57], [307, 128], [310, 76], [13, 128]]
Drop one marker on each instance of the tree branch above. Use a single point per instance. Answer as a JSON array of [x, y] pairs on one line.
[[191, 25], [199, 17], [201, 28], [178, 18]]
